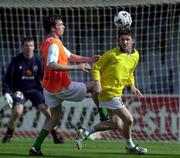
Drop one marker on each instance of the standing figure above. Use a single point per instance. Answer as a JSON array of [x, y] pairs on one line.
[[57, 84], [111, 73]]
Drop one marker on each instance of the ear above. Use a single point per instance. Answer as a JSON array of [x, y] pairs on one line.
[[52, 29], [133, 41]]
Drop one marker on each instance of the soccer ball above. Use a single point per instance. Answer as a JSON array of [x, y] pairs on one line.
[[122, 20]]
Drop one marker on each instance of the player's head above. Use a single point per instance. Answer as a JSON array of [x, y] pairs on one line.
[[126, 40], [54, 24], [28, 47], [27, 39]]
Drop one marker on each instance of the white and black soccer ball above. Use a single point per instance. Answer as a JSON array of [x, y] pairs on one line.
[[122, 20]]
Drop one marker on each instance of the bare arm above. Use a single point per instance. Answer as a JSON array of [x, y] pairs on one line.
[[60, 67], [136, 91], [79, 58], [97, 87]]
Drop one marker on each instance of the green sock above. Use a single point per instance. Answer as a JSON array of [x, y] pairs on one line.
[[42, 135], [103, 113]]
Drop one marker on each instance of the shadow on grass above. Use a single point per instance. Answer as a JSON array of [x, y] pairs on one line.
[[150, 155], [164, 155], [147, 155], [8, 155]]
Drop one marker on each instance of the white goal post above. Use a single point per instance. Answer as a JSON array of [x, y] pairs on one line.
[[90, 30]]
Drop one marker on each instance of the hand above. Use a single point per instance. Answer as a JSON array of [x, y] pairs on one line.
[[95, 58], [136, 91], [84, 66], [8, 100]]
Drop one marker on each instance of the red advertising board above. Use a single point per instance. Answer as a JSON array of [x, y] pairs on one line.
[[155, 118]]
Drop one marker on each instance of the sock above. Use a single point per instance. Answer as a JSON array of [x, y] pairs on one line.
[[54, 132], [90, 130], [103, 113], [129, 143], [10, 131], [41, 137]]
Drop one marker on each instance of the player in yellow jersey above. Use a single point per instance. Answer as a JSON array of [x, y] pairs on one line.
[[111, 73]]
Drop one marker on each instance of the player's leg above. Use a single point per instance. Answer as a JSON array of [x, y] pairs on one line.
[[127, 119], [83, 133], [37, 99], [114, 122], [48, 126], [55, 108], [103, 113], [120, 118], [75, 92], [16, 113], [57, 138], [117, 108]]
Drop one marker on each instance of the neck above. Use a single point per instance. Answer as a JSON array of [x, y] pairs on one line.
[[28, 56], [126, 51], [53, 34]]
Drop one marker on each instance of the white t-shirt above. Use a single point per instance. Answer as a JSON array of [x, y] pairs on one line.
[[53, 53]]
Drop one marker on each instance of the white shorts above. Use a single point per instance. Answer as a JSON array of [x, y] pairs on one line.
[[75, 92], [114, 103]]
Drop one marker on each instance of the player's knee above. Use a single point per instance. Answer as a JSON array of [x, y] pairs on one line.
[[47, 115], [18, 110], [116, 122], [129, 121], [54, 119], [45, 110], [90, 87]]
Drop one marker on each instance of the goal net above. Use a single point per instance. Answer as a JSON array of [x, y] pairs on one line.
[[90, 30]]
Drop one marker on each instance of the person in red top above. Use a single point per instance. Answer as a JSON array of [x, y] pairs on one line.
[[56, 81]]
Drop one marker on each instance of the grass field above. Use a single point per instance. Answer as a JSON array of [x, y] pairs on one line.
[[18, 148]]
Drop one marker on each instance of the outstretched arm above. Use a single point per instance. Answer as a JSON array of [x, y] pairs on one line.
[[60, 67], [79, 58], [52, 60]]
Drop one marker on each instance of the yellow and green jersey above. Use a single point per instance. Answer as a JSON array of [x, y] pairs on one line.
[[115, 71]]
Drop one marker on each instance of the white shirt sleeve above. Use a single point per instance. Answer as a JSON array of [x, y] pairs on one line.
[[53, 53]]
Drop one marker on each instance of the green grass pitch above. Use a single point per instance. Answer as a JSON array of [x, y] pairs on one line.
[[18, 148]]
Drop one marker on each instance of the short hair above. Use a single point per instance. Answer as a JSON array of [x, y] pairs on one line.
[[50, 21], [126, 31], [27, 39]]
